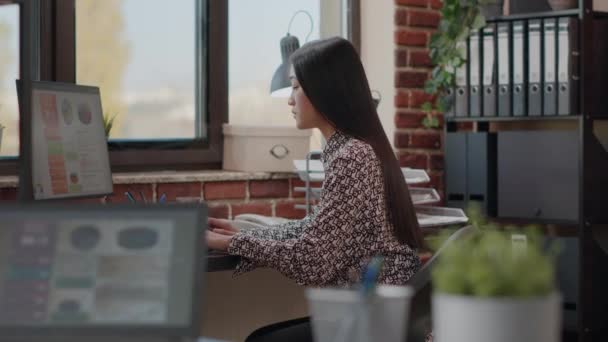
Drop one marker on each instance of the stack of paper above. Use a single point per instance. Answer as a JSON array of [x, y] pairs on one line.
[[312, 170]]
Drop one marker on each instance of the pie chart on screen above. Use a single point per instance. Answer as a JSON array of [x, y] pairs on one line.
[[84, 113], [66, 111]]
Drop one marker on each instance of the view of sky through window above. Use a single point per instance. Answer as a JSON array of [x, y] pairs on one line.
[[144, 63], [9, 72]]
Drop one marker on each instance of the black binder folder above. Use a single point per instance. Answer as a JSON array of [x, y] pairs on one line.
[[462, 94], [550, 68], [519, 89], [470, 162], [456, 169], [474, 74], [568, 72], [481, 171], [488, 79], [534, 69], [504, 71]]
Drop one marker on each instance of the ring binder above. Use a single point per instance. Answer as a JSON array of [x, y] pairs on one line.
[[488, 62], [462, 96], [504, 70], [474, 74], [567, 74], [519, 96], [534, 71], [549, 84]]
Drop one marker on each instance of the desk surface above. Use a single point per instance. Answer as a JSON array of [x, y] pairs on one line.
[[217, 261]]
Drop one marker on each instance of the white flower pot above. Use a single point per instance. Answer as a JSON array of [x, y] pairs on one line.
[[476, 319]]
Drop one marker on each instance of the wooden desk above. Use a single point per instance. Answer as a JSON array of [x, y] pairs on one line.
[[217, 261]]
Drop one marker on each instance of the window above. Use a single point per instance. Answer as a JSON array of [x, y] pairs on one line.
[[162, 68], [9, 71], [255, 54], [154, 72], [162, 72], [144, 62]]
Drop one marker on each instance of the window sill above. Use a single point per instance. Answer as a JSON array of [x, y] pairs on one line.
[[176, 177]]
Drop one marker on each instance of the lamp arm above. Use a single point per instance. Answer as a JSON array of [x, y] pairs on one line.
[[293, 17]]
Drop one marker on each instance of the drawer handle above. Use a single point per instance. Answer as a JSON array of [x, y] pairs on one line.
[[279, 151]]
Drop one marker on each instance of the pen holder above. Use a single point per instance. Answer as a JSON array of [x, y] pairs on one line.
[[344, 315]]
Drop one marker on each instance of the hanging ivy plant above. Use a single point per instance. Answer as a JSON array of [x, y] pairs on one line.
[[447, 51]]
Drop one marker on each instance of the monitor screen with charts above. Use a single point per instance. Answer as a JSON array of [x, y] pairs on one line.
[[69, 150], [101, 270]]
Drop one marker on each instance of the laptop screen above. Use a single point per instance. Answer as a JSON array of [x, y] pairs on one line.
[[100, 269]]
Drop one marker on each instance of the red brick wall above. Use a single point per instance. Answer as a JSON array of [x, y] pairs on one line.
[[225, 198], [417, 146]]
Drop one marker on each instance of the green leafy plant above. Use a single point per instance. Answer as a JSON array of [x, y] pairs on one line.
[[447, 49], [108, 123], [492, 264], [430, 121]]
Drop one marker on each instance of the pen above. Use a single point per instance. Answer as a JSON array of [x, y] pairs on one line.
[[368, 283], [162, 198], [143, 198], [130, 197], [370, 277]]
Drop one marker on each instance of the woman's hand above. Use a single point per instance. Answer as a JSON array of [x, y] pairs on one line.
[[220, 233], [217, 241], [221, 226]]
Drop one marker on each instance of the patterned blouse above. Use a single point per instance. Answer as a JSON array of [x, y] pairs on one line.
[[349, 226]]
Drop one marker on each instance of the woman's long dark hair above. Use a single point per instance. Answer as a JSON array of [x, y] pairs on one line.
[[332, 76]]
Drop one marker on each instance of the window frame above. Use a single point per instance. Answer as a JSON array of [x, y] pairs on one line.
[[149, 155], [10, 166], [57, 62]]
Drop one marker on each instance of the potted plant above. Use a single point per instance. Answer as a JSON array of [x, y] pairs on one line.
[[495, 286], [108, 122], [459, 18]]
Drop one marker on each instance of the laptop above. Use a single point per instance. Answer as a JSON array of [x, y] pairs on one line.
[[101, 272]]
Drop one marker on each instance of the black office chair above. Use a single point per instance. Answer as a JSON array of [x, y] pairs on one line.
[[419, 320]]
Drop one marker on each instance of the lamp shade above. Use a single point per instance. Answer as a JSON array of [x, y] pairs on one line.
[[280, 79]]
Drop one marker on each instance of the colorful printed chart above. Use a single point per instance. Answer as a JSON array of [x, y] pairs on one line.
[[69, 147]]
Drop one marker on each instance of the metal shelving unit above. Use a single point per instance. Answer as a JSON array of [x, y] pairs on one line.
[[590, 123]]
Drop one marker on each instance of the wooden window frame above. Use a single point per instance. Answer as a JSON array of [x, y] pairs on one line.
[[148, 155], [58, 63]]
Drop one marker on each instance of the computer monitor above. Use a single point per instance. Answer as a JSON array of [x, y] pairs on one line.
[[89, 272], [65, 153]]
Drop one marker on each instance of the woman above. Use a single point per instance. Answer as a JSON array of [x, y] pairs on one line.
[[365, 208]]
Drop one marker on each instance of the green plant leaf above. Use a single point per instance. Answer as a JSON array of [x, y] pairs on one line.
[[479, 22], [447, 48], [427, 107], [430, 121], [108, 123], [488, 265], [444, 103], [430, 87]]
